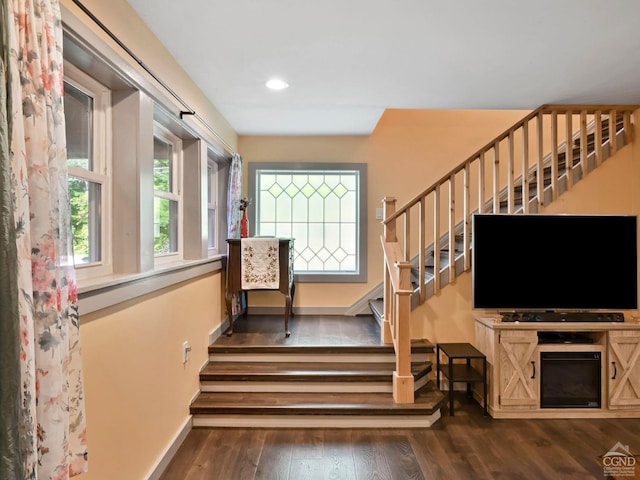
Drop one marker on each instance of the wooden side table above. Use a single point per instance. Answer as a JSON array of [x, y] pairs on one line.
[[461, 372]]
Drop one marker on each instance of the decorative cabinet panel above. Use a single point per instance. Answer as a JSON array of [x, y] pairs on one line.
[[518, 378], [624, 369]]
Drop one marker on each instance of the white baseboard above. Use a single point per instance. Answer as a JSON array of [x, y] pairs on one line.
[[346, 311], [217, 332], [317, 421], [163, 463], [361, 307]]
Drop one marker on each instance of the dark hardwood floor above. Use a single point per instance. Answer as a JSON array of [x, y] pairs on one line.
[[467, 446], [305, 330]]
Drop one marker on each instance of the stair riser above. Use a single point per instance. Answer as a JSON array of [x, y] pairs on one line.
[[352, 386], [315, 358], [317, 421], [282, 387]]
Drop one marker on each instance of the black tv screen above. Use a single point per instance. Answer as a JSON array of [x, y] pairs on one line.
[[554, 262]]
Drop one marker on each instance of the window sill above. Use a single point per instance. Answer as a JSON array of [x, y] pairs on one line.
[[103, 292]]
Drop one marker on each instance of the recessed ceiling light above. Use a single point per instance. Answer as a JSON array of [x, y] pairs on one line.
[[276, 84]]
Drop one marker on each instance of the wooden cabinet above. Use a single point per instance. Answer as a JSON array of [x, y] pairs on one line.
[[624, 369], [234, 278], [514, 351]]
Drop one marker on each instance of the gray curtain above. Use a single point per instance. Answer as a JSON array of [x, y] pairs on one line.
[[11, 464], [234, 195]]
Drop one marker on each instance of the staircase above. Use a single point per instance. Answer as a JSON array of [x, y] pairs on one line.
[[376, 305], [279, 386], [543, 155]]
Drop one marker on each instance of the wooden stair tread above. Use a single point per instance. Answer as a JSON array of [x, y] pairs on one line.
[[377, 307], [427, 400], [417, 346], [301, 372]]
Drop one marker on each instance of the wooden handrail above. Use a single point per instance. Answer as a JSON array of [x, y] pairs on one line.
[[588, 108]]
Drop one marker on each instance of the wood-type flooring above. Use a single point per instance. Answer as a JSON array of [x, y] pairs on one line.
[[467, 446]]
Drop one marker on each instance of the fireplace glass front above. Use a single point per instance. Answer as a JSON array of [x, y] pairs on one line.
[[570, 380]]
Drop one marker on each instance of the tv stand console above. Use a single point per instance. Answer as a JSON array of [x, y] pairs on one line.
[[515, 349], [562, 317]]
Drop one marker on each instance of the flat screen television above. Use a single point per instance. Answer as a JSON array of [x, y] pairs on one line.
[[531, 262]]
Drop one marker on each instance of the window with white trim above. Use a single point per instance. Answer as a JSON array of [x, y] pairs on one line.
[[323, 208], [129, 156], [88, 132], [212, 203], [167, 206]]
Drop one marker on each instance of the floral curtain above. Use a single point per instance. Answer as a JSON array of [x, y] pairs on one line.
[[52, 419], [234, 196]]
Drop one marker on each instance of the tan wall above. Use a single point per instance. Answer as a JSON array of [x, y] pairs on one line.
[[137, 389], [407, 152], [121, 19], [608, 190]]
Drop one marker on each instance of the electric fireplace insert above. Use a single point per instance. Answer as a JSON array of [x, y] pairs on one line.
[[570, 380]]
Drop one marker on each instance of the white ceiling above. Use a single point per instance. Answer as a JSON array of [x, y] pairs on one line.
[[348, 60]]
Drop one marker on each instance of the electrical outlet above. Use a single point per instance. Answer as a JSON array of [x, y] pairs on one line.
[[379, 214], [186, 350]]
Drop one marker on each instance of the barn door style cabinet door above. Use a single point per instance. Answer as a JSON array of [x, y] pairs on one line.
[[624, 369], [519, 373]]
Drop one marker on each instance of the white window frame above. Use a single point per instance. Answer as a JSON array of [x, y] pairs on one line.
[[101, 171], [212, 203], [360, 273], [128, 233], [164, 134]]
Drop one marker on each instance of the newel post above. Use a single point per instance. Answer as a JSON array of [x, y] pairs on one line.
[[389, 235], [388, 209], [403, 381]]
